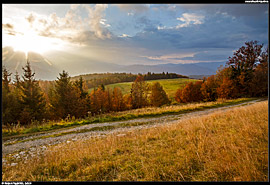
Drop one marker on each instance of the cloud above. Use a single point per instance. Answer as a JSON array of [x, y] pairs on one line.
[[216, 55], [72, 27], [9, 29], [146, 24], [236, 10], [133, 8], [171, 57], [74, 6], [103, 22], [214, 31], [66, 28], [30, 19], [190, 18], [96, 19], [124, 35], [7, 26]]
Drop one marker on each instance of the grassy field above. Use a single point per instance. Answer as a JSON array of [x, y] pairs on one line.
[[169, 85], [21, 131], [223, 146]]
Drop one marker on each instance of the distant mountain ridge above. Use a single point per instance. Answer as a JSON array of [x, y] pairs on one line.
[[203, 68], [15, 60], [49, 67]]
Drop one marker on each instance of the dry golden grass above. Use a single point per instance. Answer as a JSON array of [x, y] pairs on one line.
[[223, 146], [21, 130]]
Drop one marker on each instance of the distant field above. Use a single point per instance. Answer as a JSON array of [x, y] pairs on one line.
[[169, 85]]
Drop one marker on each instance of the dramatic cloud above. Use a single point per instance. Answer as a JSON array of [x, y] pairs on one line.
[[65, 28], [72, 27], [145, 34]]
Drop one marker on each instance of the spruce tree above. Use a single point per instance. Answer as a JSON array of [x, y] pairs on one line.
[[6, 96], [32, 98], [17, 105], [65, 98], [6, 79], [80, 85]]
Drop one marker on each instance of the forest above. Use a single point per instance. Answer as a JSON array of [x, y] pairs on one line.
[[26, 100]]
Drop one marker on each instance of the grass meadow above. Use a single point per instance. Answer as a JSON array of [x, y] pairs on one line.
[[222, 146], [169, 85]]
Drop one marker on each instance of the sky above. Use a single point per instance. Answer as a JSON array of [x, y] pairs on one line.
[[135, 33]]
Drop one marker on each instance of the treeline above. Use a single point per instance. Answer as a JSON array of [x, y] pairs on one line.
[[24, 101], [245, 75], [96, 79]]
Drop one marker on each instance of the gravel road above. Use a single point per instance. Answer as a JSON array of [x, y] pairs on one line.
[[34, 145]]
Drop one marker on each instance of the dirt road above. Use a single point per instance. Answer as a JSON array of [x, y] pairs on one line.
[[34, 145]]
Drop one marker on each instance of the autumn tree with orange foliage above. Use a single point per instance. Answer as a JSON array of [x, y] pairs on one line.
[[97, 101], [243, 64], [226, 86], [227, 89], [139, 93], [259, 83], [209, 89], [118, 103], [190, 93], [127, 102]]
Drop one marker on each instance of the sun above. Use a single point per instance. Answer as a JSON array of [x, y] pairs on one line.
[[30, 41]]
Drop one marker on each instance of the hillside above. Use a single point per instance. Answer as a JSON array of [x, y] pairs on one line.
[[169, 85], [97, 79]]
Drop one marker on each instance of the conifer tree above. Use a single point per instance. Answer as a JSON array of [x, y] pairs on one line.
[[80, 85], [64, 98], [6, 96], [32, 98], [17, 106], [6, 79]]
